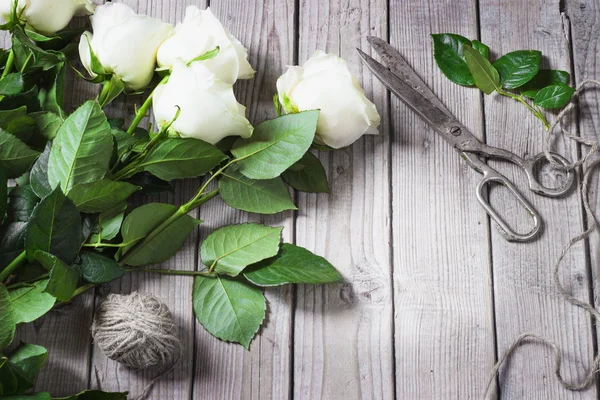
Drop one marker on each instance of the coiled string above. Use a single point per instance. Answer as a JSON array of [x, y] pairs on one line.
[[591, 225]]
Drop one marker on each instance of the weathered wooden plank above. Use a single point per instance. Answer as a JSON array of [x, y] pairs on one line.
[[223, 370], [343, 333], [526, 298], [584, 19], [176, 292], [443, 300]]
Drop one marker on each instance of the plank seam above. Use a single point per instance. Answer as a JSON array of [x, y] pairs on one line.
[[294, 288], [492, 293], [389, 127]]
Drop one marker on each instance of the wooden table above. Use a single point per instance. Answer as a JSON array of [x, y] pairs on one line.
[[433, 293]]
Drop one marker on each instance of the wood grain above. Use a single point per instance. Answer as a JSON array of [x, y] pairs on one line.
[[443, 301], [584, 22], [343, 333], [525, 295], [224, 370]]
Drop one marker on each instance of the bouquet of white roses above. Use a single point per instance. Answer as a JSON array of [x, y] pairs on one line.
[[65, 180]]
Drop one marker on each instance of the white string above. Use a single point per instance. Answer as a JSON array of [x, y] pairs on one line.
[[591, 221]]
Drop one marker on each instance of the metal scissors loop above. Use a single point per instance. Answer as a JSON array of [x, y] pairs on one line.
[[404, 82]]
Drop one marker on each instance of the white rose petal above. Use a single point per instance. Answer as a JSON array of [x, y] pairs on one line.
[[46, 16], [325, 83], [208, 108], [199, 33], [125, 43]]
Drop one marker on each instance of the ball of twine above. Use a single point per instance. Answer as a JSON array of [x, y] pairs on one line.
[[137, 331]]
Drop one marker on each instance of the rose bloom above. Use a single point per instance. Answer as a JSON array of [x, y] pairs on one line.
[[325, 83], [199, 33], [207, 106], [125, 43], [46, 16]]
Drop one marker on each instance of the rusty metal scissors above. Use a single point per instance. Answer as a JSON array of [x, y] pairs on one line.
[[404, 82]]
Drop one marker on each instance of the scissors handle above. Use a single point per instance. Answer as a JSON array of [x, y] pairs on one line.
[[538, 187], [528, 165], [490, 175]]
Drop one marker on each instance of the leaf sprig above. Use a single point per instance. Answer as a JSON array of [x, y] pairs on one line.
[[516, 75]]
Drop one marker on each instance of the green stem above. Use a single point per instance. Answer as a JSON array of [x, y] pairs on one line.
[[171, 272], [9, 64], [537, 113], [132, 168], [141, 113], [199, 199], [27, 283], [181, 211], [100, 244], [127, 172], [10, 268], [83, 289]]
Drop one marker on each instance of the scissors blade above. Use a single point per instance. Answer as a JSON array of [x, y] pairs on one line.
[[437, 118], [398, 65]]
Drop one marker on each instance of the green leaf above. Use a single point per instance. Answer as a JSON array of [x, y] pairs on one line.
[[230, 249], [51, 94], [125, 141], [518, 67], [21, 202], [150, 184], [483, 49], [448, 54], [47, 123], [164, 245], [307, 175], [206, 56], [181, 158], [554, 96], [19, 124], [15, 155], [293, 264], [111, 89], [8, 323], [35, 396], [485, 75], [29, 57], [276, 145], [96, 268], [3, 193], [63, 278], [29, 359], [98, 196], [268, 196], [39, 174], [12, 84], [95, 395], [109, 223], [54, 227], [12, 242], [229, 309], [82, 148], [31, 302], [545, 77]]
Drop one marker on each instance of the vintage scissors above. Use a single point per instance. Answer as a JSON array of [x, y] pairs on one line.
[[404, 82]]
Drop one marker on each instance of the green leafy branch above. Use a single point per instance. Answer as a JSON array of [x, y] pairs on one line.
[[516, 75]]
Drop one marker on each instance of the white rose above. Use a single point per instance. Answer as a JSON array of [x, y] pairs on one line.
[[46, 16], [208, 108], [199, 33], [125, 43], [325, 83]]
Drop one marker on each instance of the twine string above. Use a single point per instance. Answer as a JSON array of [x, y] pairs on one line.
[[591, 226]]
